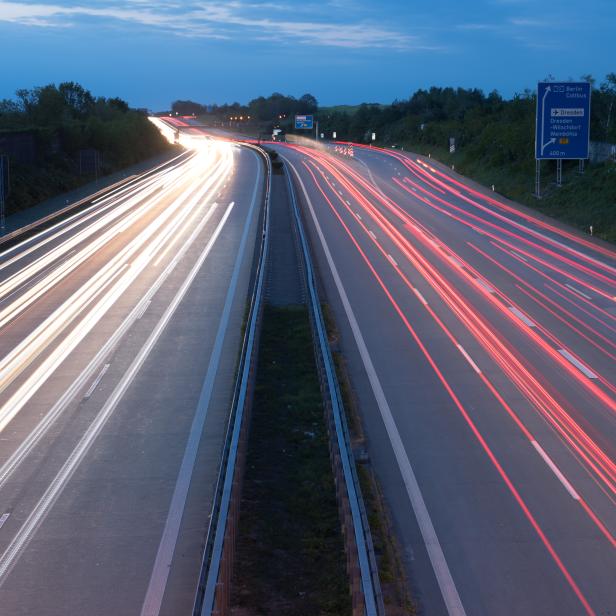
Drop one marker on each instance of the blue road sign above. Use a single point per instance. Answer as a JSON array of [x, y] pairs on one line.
[[305, 122], [563, 120]]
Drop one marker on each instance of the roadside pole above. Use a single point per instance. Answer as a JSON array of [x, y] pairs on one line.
[[4, 175], [538, 178]]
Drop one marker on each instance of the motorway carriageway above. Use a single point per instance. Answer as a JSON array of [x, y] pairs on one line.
[[481, 341], [119, 333]]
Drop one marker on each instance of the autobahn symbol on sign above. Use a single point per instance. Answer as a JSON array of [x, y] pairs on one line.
[[304, 122], [563, 120]]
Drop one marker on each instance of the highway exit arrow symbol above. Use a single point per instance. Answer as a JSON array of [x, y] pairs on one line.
[[544, 145]]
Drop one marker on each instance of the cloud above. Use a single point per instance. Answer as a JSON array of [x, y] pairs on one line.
[[478, 26], [271, 21]]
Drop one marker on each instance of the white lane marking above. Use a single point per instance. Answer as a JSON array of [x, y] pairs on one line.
[[29, 527], [577, 291], [348, 202], [515, 254], [372, 235], [485, 285], [97, 380], [422, 299], [358, 215], [577, 363], [445, 581], [469, 359], [3, 518], [556, 471], [392, 259], [521, 316], [145, 306], [187, 223], [164, 557]]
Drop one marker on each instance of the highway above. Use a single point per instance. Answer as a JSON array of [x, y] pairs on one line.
[[481, 342], [120, 329]]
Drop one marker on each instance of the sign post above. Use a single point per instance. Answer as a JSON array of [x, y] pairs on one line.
[[562, 130]]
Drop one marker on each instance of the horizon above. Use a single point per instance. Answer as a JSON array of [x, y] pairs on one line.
[[597, 81]]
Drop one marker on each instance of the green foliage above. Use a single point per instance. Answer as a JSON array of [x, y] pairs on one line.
[[188, 108], [290, 552], [66, 119], [274, 109]]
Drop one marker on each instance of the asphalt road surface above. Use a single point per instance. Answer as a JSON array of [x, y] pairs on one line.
[[119, 334], [481, 341]]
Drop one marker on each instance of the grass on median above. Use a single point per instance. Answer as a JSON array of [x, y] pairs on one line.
[[290, 553]]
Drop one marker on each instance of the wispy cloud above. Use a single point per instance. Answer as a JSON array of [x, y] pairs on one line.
[[478, 26], [271, 21]]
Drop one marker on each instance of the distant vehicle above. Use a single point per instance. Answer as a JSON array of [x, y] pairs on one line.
[[278, 135]]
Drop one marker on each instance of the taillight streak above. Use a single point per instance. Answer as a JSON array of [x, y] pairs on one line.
[[571, 433], [586, 270], [406, 218], [531, 219], [500, 470]]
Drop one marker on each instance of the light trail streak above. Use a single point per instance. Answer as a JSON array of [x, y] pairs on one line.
[[511, 211], [82, 255], [606, 279], [529, 290], [496, 301], [54, 232], [494, 460], [513, 368], [108, 284]]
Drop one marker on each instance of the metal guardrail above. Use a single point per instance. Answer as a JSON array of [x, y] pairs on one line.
[[367, 599], [23, 233], [213, 592]]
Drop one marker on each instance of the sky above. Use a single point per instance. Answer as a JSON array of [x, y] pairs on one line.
[[151, 52]]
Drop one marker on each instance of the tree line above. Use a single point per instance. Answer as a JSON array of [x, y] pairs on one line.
[[59, 136], [261, 109], [67, 118], [485, 125]]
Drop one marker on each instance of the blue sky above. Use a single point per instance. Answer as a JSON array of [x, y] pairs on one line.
[[151, 52]]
